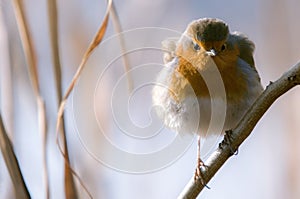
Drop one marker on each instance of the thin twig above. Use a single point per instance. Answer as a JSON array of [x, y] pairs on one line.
[[33, 74], [243, 129], [12, 164], [95, 42], [70, 188]]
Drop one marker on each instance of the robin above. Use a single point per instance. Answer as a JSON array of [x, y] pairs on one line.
[[185, 89]]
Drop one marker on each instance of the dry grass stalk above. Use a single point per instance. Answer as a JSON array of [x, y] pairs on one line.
[[33, 74], [118, 29], [95, 42], [12, 164], [70, 188]]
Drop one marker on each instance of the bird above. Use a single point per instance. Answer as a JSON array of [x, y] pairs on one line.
[[207, 66]]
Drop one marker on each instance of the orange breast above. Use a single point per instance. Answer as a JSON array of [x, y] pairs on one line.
[[234, 80], [187, 70]]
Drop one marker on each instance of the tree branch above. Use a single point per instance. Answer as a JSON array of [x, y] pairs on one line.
[[273, 91]]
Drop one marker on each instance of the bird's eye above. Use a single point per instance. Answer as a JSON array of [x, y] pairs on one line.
[[223, 47], [196, 47]]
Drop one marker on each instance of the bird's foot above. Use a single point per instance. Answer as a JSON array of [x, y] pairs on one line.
[[198, 173], [228, 141]]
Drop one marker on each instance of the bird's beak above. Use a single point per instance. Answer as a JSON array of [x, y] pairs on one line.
[[212, 52]]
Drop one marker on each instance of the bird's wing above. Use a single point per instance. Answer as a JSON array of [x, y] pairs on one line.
[[169, 47], [246, 47]]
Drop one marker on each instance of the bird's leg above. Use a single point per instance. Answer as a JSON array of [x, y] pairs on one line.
[[198, 173]]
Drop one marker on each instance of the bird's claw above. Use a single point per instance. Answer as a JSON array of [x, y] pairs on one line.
[[198, 173]]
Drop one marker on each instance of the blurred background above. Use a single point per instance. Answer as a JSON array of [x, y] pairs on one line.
[[267, 163]]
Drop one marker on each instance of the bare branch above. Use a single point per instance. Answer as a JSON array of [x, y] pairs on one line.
[[243, 129]]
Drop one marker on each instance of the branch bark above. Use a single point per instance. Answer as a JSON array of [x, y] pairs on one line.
[[273, 91]]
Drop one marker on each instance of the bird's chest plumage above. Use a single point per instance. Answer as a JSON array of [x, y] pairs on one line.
[[198, 76], [184, 95]]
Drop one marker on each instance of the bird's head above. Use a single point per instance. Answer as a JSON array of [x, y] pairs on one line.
[[209, 34], [208, 38]]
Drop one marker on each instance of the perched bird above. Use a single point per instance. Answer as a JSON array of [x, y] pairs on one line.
[[205, 59]]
